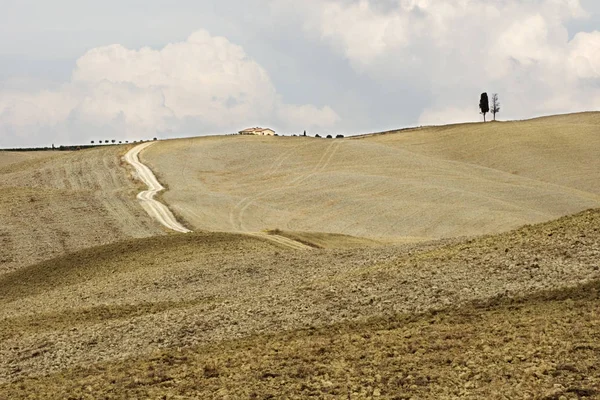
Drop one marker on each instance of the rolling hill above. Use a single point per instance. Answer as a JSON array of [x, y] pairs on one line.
[[438, 262], [55, 203], [423, 183]]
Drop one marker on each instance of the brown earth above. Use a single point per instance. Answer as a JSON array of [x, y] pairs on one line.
[[322, 240], [116, 303], [539, 347], [64, 202]]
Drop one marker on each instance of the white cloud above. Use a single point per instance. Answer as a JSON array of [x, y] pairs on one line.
[[584, 55], [361, 31], [203, 85], [307, 116], [451, 51]]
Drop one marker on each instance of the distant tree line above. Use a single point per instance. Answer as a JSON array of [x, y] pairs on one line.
[[53, 148], [338, 136], [74, 147], [114, 141]]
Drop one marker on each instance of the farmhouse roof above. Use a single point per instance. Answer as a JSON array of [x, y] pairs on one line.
[[257, 129]]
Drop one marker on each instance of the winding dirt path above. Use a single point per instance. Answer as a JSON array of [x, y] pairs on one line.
[[161, 212], [154, 208]]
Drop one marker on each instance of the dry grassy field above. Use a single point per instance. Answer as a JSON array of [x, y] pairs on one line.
[[13, 157], [61, 202], [432, 266], [560, 150], [425, 183]]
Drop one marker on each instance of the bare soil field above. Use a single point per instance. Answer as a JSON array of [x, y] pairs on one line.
[[424, 183], [209, 315], [64, 202]]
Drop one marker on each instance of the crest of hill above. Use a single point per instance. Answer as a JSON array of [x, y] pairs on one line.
[[558, 149], [15, 157], [432, 182]]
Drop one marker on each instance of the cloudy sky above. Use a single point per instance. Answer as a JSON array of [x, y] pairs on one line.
[[72, 71]]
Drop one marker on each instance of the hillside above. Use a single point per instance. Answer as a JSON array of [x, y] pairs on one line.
[[431, 320], [56, 203], [561, 150], [441, 262], [425, 183], [13, 157]]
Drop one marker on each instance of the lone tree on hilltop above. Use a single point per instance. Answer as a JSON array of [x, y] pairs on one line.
[[495, 105], [484, 104]]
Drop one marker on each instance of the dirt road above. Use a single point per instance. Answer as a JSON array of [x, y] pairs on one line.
[[154, 208], [161, 212]]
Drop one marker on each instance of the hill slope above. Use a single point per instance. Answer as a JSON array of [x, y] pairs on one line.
[[61, 203], [97, 301], [279, 320], [14, 157], [424, 183], [560, 149]]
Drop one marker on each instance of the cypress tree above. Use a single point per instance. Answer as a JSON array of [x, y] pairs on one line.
[[484, 104]]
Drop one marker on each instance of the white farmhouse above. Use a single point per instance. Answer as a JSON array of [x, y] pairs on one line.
[[258, 131]]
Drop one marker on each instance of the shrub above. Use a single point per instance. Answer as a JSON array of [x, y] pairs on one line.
[[329, 136], [339, 136]]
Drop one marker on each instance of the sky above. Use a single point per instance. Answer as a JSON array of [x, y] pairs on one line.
[[72, 71]]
